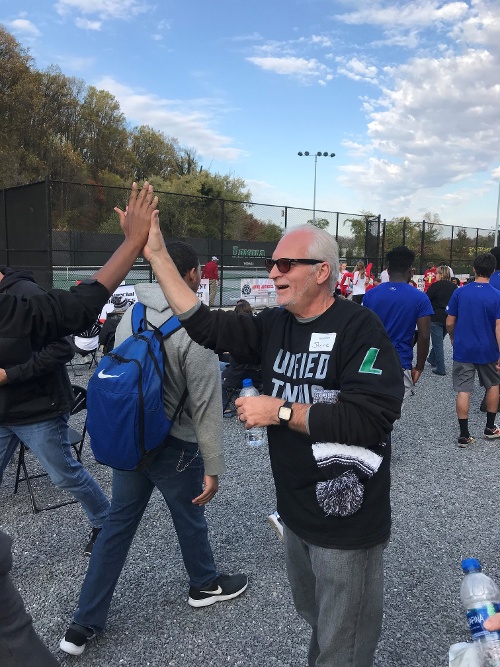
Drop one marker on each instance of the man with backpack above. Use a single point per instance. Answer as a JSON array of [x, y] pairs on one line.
[[185, 471]]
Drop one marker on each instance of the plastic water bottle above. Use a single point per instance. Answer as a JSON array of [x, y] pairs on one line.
[[254, 436], [481, 598]]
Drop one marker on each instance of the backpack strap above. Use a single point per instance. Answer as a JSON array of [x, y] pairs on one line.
[[170, 326], [139, 322]]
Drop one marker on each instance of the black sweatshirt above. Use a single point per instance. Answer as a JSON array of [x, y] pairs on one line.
[[27, 324], [332, 486]]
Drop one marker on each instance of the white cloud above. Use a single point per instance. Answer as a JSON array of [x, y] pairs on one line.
[[357, 70], [24, 26], [436, 120], [409, 14], [103, 9], [192, 127], [301, 68], [86, 24]]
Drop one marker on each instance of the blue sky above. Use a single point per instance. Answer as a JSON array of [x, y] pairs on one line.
[[407, 94]]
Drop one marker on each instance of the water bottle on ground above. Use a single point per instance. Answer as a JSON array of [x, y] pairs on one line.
[[254, 436], [481, 598]]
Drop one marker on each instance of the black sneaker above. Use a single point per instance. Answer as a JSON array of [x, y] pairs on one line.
[[225, 587], [75, 639], [93, 537]]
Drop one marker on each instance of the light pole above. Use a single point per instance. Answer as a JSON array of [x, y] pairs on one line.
[[316, 156]]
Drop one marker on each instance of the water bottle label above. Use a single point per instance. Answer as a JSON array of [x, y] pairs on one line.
[[476, 618]]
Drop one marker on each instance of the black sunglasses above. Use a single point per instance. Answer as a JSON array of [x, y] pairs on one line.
[[284, 264]]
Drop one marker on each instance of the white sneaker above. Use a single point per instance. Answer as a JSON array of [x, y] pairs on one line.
[[275, 521]]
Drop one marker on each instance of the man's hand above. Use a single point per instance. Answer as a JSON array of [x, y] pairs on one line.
[[492, 623], [415, 375], [258, 410], [155, 243], [135, 221], [3, 377], [211, 483]]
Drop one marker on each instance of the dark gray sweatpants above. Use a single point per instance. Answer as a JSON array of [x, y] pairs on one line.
[[20, 646]]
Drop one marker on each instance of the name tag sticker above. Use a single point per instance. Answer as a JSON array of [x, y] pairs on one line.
[[322, 342]]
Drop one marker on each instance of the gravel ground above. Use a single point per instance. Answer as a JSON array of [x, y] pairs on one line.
[[443, 501]]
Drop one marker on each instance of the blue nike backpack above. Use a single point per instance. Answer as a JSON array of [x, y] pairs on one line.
[[126, 417]]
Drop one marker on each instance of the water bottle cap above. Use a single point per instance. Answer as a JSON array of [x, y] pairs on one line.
[[247, 382], [471, 565]]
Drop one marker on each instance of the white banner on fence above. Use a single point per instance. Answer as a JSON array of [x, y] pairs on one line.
[[202, 292], [258, 291], [126, 291]]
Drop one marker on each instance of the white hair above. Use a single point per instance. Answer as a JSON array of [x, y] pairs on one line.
[[322, 246]]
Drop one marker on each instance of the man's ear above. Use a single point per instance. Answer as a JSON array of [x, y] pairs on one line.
[[323, 273], [191, 278]]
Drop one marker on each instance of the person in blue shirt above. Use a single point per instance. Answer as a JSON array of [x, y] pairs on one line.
[[473, 323], [495, 276], [401, 307]]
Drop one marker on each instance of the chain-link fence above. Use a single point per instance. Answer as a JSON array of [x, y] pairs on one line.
[[63, 231]]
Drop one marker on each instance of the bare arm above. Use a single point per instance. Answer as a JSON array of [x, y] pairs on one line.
[[263, 411], [178, 294], [135, 224], [450, 326], [424, 335]]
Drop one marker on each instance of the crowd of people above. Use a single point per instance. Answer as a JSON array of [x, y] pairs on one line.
[[334, 373]]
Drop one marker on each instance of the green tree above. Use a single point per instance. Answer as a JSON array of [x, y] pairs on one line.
[[104, 136], [320, 223], [154, 154]]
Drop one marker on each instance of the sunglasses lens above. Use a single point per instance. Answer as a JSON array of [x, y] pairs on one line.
[[269, 263], [283, 265]]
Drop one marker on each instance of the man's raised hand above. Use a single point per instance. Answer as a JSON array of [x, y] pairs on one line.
[[135, 221]]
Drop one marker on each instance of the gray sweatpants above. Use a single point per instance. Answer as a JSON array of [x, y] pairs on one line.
[[20, 646], [340, 594]]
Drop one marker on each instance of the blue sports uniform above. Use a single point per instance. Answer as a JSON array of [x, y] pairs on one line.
[[476, 307], [399, 306]]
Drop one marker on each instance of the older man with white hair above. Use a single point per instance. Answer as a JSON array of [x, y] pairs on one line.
[[333, 387]]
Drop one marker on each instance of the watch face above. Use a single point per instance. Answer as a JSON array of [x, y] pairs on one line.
[[285, 413]]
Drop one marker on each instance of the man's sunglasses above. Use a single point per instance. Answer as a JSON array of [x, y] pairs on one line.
[[284, 264]]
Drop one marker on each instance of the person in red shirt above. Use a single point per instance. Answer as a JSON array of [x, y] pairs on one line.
[[211, 272], [429, 276]]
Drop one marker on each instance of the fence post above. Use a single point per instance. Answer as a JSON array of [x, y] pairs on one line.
[[286, 216], [422, 248], [221, 281], [379, 259], [404, 231], [383, 242], [337, 227], [451, 244]]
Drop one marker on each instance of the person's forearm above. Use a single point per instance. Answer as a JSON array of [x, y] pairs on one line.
[[118, 265], [135, 223], [177, 293], [422, 351]]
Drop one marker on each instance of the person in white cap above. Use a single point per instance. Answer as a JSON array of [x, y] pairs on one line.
[[211, 272]]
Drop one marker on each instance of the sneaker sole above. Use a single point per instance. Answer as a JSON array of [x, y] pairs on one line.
[[217, 598], [275, 523], [491, 437], [70, 648]]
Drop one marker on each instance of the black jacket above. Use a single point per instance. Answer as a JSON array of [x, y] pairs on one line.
[[38, 385]]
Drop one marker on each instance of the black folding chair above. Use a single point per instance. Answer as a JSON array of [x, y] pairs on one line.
[[91, 334], [77, 439]]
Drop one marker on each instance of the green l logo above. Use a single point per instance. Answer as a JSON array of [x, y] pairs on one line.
[[368, 362]]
